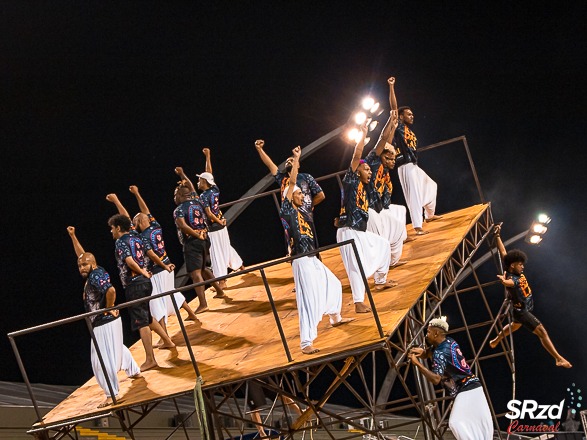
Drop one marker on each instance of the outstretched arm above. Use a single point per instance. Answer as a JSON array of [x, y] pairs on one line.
[[259, 144], [183, 177], [387, 132], [113, 198], [429, 375], [77, 247], [392, 98], [355, 161], [206, 152], [293, 175], [142, 205], [498, 242]]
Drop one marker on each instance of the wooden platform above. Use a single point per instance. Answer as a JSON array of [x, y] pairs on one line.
[[240, 339]]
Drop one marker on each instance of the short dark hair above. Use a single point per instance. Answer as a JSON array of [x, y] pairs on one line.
[[402, 109], [514, 256], [120, 220]]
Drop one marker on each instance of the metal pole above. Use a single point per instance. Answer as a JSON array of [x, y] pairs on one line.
[[185, 335], [277, 321], [25, 377], [101, 359]]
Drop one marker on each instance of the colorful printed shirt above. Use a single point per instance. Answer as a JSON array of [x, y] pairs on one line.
[[131, 245], [448, 362], [194, 215], [209, 199], [298, 228], [521, 294], [380, 187], [405, 140], [97, 284], [355, 202], [153, 238], [307, 184]]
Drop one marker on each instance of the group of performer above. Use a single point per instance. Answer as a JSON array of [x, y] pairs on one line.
[[367, 216]]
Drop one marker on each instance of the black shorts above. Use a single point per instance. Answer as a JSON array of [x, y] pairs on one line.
[[140, 315], [195, 253], [257, 395], [527, 319]]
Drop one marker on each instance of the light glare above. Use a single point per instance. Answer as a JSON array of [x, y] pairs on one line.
[[535, 239], [360, 118], [539, 228], [352, 134], [544, 219], [367, 102], [372, 125], [374, 108]]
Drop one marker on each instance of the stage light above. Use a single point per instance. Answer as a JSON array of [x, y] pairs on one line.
[[366, 140], [352, 133], [374, 108], [372, 125], [368, 102], [537, 229], [360, 117], [544, 219], [534, 239]]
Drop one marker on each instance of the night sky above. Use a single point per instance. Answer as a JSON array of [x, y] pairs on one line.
[[95, 97]]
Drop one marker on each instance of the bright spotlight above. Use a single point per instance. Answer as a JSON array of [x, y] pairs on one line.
[[534, 239], [374, 108], [360, 118], [539, 228], [372, 125], [368, 102], [366, 140], [544, 219], [352, 133]]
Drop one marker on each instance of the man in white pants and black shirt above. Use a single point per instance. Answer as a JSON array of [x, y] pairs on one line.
[[318, 291], [419, 189], [99, 294], [374, 251]]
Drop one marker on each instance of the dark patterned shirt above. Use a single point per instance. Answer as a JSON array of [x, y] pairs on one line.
[[97, 284], [130, 245], [298, 228], [405, 140], [380, 186], [449, 363], [209, 199], [307, 184], [521, 294], [355, 202], [153, 238], [194, 215]]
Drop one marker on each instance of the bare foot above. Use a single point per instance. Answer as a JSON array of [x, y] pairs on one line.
[[343, 321], [201, 309], [222, 284], [388, 285], [420, 231], [192, 317], [309, 350], [158, 344], [148, 365], [408, 239], [106, 403], [399, 263], [167, 346], [562, 362], [493, 343], [136, 376], [434, 217], [361, 308]]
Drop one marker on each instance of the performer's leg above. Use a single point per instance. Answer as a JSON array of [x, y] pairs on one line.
[[510, 328], [146, 339], [542, 334], [104, 336], [410, 187]]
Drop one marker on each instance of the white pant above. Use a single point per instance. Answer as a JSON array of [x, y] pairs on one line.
[[115, 355], [470, 418], [222, 254], [158, 307], [374, 254], [390, 224], [318, 293], [419, 192], [167, 283]]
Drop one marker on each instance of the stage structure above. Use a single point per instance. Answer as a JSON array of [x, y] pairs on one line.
[[253, 341]]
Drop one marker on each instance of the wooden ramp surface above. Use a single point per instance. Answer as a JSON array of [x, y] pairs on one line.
[[240, 339]]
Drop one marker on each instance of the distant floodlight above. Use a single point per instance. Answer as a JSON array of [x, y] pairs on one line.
[[360, 118], [374, 108], [368, 102], [352, 133], [366, 140], [534, 239], [544, 219], [539, 228], [372, 125]]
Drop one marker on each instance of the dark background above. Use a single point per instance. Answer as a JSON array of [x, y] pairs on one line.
[[97, 96]]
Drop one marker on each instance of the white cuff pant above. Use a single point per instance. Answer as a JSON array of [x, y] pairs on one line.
[[318, 293], [158, 307], [470, 418], [374, 254], [419, 192], [115, 355], [390, 224], [167, 283], [222, 254]]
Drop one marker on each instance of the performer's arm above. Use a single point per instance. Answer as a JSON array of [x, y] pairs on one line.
[[293, 175], [142, 205], [498, 242], [355, 161], [213, 217], [155, 258], [184, 178], [392, 98], [110, 299], [132, 264], [429, 375], [505, 281], [187, 230], [387, 133], [113, 198], [206, 152], [77, 247], [259, 144], [318, 198]]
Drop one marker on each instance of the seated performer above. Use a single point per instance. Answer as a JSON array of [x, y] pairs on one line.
[[222, 254], [374, 251], [100, 294], [470, 418], [318, 291], [386, 219], [522, 301]]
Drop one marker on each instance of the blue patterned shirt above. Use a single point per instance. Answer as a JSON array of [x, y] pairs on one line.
[[380, 186], [521, 294], [307, 184], [210, 199], [298, 228], [153, 239], [130, 245], [355, 202], [450, 364], [97, 284], [194, 215]]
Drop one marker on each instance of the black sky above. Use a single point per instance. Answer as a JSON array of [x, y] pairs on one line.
[[97, 96]]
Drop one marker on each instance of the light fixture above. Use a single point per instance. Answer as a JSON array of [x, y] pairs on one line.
[[368, 103], [360, 118], [537, 229]]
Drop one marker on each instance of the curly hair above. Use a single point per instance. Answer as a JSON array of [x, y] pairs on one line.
[[120, 220], [514, 256]]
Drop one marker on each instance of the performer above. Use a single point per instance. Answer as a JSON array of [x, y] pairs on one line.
[[522, 300], [100, 294], [374, 251], [318, 291], [470, 418], [419, 189], [386, 219], [313, 194], [222, 254], [130, 257], [190, 220]]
